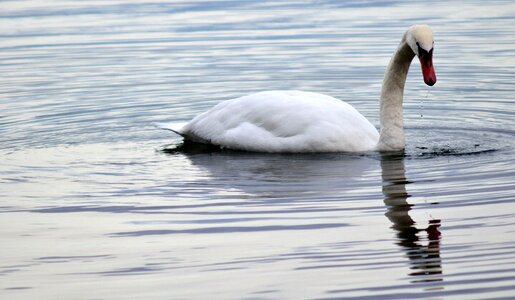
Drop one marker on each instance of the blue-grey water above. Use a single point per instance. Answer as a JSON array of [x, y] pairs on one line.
[[95, 203]]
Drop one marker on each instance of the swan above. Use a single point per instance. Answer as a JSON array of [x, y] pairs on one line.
[[297, 121]]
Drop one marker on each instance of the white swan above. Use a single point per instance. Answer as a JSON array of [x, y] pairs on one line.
[[295, 121]]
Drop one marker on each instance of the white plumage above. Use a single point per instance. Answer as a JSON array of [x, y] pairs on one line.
[[296, 121], [282, 121]]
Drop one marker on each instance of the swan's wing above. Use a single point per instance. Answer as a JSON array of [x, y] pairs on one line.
[[284, 121]]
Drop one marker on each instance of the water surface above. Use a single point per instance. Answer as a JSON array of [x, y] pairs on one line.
[[96, 204]]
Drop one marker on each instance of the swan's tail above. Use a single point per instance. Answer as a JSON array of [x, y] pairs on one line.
[[178, 127], [175, 127]]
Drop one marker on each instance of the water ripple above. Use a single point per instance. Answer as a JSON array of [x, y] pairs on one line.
[[93, 198]]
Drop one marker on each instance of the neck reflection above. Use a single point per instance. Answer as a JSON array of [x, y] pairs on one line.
[[425, 260]]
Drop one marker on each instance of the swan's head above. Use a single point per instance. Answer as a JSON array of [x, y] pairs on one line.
[[420, 40]]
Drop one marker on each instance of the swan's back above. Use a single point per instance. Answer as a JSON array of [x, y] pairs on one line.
[[284, 121]]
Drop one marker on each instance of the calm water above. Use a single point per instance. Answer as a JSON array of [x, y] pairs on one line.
[[96, 204]]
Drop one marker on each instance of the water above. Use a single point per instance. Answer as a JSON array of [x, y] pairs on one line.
[[96, 204]]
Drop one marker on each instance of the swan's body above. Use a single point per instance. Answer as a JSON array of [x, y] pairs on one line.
[[295, 121], [283, 121]]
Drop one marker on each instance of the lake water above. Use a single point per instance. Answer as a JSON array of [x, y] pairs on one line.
[[95, 203]]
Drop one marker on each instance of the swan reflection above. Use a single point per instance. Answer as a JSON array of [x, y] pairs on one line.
[[316, 184], [425, 260]]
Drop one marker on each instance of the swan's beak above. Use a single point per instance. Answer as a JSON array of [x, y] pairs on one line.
[[428, 71]]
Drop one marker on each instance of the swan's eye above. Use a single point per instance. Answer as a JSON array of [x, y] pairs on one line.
[[424, 53]]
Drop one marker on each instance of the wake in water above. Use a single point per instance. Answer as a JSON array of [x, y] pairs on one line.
[[438, 141], [447, 151], [189, 147]]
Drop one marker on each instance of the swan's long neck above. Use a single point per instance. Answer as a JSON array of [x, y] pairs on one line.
[[392, 131]]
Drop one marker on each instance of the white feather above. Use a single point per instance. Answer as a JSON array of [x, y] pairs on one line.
[[284, 121]]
